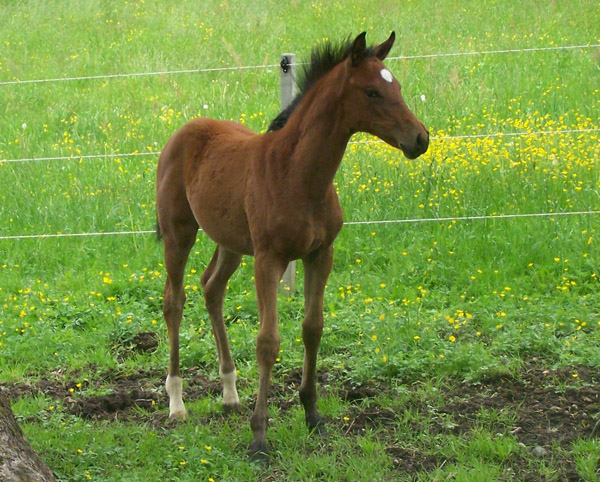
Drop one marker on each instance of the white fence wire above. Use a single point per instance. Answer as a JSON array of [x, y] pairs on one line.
[[349, 223], [366, 141], [492, 217], [271, 66]]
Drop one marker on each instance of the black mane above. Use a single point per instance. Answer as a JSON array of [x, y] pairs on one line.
[[323, 58]]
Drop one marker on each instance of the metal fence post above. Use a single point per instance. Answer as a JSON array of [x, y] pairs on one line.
[[287, 83]]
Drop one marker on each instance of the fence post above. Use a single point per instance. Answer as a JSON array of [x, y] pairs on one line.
[[287, 83]]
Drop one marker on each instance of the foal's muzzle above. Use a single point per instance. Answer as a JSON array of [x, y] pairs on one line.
[[419, 147]]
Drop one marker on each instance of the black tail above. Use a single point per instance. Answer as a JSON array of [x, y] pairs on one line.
[[159, 235]]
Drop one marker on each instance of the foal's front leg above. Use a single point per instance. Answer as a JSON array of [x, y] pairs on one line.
[[268, 270], [316, 271]]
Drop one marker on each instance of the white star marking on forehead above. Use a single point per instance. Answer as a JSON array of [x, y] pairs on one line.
[[386, 75]]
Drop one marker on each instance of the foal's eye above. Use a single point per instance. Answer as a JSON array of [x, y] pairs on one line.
[[373, 94]]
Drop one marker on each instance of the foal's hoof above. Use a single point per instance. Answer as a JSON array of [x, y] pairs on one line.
[[316, 425], [178, 416], [259, 455], [320, 429], [230, 409]]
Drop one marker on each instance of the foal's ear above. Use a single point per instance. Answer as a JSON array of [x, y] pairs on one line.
[[359, 49], [381, 51]]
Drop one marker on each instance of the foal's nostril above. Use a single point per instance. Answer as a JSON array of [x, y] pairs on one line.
[[422, 141]]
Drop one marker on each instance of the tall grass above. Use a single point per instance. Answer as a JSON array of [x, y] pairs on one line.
[[413, 305]]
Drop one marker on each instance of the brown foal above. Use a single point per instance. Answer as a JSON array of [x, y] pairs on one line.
[[272, 196]]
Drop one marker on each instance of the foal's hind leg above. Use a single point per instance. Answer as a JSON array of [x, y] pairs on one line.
[[214, 280], [316, 271], [178, 241]]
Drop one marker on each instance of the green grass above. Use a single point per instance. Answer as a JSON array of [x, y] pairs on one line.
[[416, 309]]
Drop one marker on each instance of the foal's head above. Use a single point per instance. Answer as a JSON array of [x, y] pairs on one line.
[[373, 100]]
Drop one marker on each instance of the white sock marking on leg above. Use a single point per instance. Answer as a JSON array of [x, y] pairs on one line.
[[230, 395], [174, 386]]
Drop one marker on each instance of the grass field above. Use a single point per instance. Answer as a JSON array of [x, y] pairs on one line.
[[453, 350]]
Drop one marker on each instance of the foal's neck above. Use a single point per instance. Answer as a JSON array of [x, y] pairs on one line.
[[319, 135]]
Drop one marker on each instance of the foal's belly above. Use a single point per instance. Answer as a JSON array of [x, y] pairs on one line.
[[230, 240], [217, 204]]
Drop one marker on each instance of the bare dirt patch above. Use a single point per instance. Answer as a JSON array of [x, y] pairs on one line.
[[113, 405], [132, 344], [542, 409], [551, 407]]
